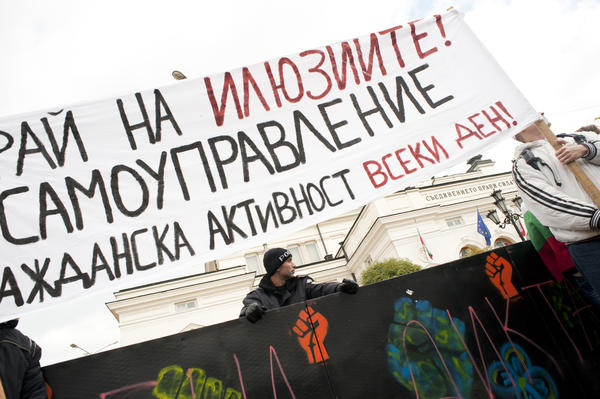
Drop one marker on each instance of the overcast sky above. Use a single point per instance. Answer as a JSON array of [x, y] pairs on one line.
[[58, 53]]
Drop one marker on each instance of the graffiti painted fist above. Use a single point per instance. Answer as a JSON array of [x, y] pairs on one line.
[[425, 352], [174, 383], [309, 340], [499, 271]]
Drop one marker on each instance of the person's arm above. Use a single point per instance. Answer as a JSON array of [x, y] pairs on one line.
[[348, 286], [570, 152], [553, 207], [34, 385], [251, 298], [317, 290], [587, 150], [253, 308], [593, 145]]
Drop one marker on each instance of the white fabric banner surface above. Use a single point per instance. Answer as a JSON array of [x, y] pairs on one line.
[[110, 193]]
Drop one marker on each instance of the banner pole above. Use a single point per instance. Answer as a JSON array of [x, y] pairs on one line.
[[579, 174]]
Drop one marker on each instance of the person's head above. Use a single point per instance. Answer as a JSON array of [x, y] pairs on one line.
[[278, 262], [528, 134]]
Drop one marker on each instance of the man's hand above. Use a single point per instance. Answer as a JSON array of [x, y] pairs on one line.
[[254, 312], [569, 152], [347, 286]]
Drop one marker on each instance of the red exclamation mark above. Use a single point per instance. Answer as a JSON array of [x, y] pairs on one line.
[[438, 21], [501, 106]]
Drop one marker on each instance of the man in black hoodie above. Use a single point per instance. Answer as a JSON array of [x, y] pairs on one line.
[[280, 288], [20, 373]]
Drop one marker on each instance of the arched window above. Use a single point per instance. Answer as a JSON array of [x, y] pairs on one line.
[[469, 250], [501, 242]]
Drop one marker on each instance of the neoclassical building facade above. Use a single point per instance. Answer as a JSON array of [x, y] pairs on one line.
[[440, 213]]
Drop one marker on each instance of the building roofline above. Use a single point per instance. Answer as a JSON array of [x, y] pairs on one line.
[[213, 272], [176, 288], [378, 218], [176, 279]]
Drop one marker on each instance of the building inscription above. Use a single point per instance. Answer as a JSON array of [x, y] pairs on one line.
[[508, 183]]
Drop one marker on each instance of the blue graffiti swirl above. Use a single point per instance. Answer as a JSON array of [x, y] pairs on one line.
[[521, 379]]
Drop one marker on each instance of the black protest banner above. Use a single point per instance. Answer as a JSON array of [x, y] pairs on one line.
[[491, 325]]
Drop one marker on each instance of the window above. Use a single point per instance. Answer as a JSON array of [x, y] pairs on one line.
[[501, 242], [252, 263], [312, 252], [187, 305], [470, 250], [296, 255], [305, 253], [454, 222]]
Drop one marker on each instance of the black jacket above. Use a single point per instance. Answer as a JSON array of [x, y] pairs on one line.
[[20, 370], [297, 289]]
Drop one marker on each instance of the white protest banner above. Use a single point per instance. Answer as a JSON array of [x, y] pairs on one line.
[[108, 193]]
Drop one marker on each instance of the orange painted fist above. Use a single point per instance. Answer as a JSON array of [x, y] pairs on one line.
[[311, 339], [499, 271]]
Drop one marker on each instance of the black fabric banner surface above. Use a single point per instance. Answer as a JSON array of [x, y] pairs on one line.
[[494, 325]]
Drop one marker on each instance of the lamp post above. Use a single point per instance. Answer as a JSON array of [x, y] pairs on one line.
[[73, 345], [177, 75], [79, 347], [510, 216], [517, 201]]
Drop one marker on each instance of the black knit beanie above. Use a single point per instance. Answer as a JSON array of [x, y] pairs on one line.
[[274, 258]]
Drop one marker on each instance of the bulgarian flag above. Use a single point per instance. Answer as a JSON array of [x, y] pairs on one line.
[[425, 249], [554, 253]]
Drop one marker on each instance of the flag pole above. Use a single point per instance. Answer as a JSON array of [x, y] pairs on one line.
[[579, 174], [428, 254]]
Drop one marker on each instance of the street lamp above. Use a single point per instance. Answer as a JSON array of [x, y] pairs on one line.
[[517, 201], [73, 345], [493, 216], [178, 75], [79, 347], [510, 216]]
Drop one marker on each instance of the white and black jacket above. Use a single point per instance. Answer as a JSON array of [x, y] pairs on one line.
[[550, 191]]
